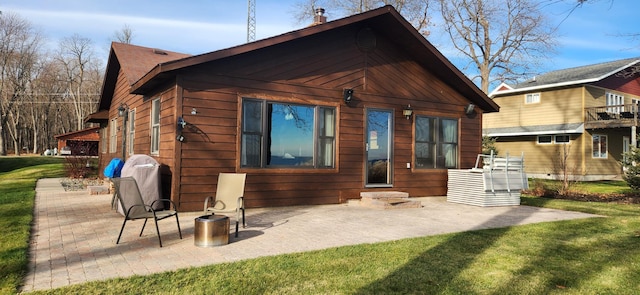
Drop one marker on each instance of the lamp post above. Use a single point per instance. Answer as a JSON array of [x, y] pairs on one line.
[[123, 111]]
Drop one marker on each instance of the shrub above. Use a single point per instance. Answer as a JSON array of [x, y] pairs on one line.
[[631, 164], [489, 145], [79, 166]]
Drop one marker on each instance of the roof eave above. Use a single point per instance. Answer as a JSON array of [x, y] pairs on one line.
[[454, 77], [577, 130], [546, 86], [563, 84]]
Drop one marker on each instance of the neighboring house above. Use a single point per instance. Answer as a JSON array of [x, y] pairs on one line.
[[314, 116], [79, 143], [586, 115]]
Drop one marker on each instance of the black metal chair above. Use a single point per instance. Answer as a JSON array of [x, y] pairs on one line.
[[604, 116], [133, 206], [626, 115]]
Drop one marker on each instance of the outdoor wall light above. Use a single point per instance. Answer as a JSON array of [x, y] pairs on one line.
[[181, 124], [469, 109], [194, 111], [407, 112], [347, 95], [122, 110]]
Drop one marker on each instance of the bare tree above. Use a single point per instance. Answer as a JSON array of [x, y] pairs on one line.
[[47, 88], [564, 169], [19, 46], [124, 35], [75, 56], [415, 11], [503, 39]]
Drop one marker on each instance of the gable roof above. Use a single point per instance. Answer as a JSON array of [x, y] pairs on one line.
[[135, 61], [571, 76], [385, 20], [90, 130]]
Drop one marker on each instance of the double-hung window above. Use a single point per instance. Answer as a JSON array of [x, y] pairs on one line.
[[599, 144], [104, 136], [276, 135], [155, 126], [436, 143], [113, 135], [132, 130], [532, 98]]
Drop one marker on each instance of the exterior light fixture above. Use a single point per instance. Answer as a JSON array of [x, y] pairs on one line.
[[180, 126], [347, 94], [469, 109], [122, 110], [407, 112], [194, 111]]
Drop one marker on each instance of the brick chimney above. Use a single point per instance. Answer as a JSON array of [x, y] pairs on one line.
[[319, 17]]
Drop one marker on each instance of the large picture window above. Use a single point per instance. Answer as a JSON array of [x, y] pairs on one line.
[[287, 135], [436, 143], [599, 146], [155, 126]]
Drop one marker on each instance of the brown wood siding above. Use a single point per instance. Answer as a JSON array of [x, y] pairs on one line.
[[121, 95], [142, 141], [312, 74]]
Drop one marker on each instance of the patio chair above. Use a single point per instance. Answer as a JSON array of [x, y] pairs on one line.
[[129, 197], [229, 197]]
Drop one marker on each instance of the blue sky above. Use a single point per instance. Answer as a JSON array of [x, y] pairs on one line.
[[589, 35]]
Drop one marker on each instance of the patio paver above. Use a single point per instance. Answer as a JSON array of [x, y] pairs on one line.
[[74, 234]]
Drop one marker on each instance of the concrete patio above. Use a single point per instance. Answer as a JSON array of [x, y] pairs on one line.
[[74, 233]]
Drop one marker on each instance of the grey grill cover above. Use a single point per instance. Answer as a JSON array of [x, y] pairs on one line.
[[146, 171]]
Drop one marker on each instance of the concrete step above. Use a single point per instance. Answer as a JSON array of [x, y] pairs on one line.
[[388, 200], [384, 194]]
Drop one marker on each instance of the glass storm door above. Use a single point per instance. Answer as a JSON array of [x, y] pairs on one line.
[[379, 139]]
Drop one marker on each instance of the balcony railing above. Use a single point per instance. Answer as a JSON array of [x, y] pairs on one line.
[[612, 116]]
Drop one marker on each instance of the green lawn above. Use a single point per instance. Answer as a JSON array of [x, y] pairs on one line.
[[18, 176], [587, 256]]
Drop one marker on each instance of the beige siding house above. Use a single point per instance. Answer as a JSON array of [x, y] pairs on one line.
[[580, 120]]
